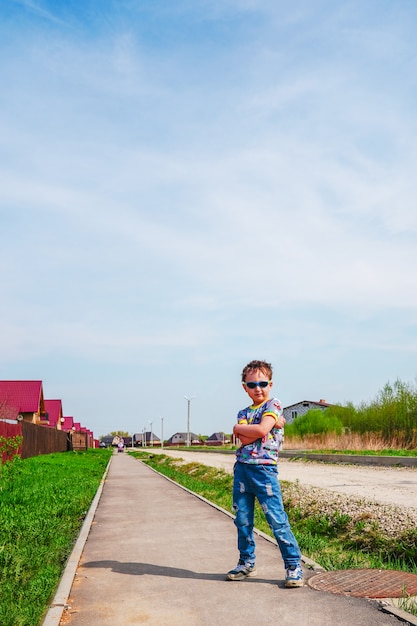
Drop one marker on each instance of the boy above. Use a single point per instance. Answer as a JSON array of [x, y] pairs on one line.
[[259, 429]]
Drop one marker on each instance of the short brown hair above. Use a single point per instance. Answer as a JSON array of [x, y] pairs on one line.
[[253, 366]]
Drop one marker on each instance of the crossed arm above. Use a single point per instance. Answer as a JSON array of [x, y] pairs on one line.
[[248, 433]]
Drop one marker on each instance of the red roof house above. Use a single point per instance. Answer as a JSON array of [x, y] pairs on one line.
[[22, 398], [54, 414], [68, 424]]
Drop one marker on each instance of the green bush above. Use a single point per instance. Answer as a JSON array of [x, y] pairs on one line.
[[315, 422], [392, 414]]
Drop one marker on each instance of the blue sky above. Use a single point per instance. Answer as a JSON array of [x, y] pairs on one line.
[[187, 186]]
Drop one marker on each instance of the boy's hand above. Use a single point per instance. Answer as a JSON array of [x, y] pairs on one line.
[[281, 422], [246, 440]]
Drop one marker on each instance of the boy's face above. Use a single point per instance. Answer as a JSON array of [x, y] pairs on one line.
[[258, 395]]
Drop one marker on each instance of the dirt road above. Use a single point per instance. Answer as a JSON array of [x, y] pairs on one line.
[[386, 485]]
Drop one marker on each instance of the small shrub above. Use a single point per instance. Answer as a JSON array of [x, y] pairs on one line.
[[315, 422]]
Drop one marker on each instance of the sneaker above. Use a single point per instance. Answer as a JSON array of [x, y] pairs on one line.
[[241, 571], [294, 577]]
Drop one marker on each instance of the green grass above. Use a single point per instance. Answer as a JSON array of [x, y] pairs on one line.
[[229, 449], [408, 604], [384, 452], [43, 502], [332, 541]]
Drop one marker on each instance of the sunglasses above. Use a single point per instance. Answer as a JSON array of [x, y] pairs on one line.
[[261, 383]]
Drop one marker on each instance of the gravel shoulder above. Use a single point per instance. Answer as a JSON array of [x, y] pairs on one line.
[[396, 486]]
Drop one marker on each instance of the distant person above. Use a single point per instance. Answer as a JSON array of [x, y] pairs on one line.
[[259, 428]]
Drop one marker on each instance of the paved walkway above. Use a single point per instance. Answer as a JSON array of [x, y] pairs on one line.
[[157, 555]]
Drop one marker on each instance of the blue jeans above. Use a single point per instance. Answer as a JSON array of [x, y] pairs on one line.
[[261, 481]]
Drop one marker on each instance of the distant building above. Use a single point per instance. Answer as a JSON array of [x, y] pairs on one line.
[[217, 439], [54, 415], [293, 411], [146, 439], [180, 439], [22, 400], [68, 423], [106, 442], [138, 439]]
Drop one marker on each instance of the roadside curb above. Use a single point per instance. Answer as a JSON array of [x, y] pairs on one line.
[[59, 602], [351, 459], [386, 607]]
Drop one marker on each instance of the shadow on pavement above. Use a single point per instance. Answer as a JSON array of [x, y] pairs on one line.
[[142, 569]]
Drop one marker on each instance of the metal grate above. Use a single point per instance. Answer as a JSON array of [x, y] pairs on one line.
[[366, 583]]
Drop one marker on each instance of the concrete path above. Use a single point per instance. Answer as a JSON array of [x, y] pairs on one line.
[[157, 555]]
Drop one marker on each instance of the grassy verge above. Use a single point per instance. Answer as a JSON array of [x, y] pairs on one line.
[[292, 443], [43, 502], [382, 452], [335, 540]]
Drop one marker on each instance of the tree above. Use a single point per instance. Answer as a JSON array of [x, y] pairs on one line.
[[116, 433]]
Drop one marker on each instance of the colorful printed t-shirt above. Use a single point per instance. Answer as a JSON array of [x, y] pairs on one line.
[[262, 451]]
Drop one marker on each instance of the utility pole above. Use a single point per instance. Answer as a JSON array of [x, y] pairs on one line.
[[188, 420]]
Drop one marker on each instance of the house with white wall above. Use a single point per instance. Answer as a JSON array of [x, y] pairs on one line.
[[298, 409]]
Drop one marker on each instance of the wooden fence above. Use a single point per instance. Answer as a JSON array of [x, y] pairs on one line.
[[43, 440], [36, 439]]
